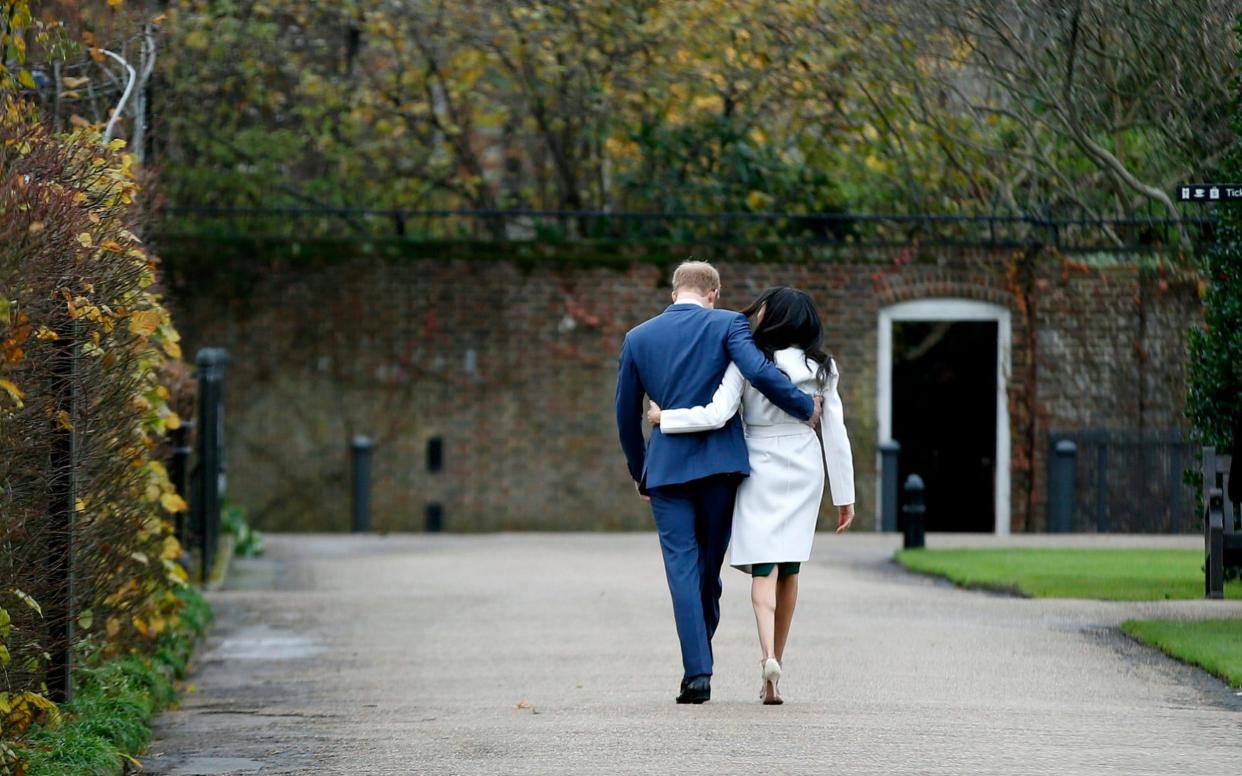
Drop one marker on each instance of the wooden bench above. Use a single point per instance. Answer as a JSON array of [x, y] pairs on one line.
[[1221, 537]]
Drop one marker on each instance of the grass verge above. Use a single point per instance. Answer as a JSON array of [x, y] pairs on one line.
[[1106, 574], [1212, 645], [109, 720]]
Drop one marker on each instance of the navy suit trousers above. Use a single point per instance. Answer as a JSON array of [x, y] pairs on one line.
[[694, 520]]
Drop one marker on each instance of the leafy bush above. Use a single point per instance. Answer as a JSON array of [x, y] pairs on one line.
[[109, 720], [248, 543], [1215, 366], [83, 341]]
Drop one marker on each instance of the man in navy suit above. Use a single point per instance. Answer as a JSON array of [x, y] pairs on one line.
[[678, 359]]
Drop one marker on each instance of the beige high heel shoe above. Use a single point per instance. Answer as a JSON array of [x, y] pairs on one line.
[[769, 693]]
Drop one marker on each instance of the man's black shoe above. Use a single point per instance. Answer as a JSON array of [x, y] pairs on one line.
[[696, 690]]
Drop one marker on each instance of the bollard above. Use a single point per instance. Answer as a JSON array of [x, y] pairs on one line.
[[209, 484], [435, 465], [913, 512], [1061, 487], [889, 451], [360, 467]]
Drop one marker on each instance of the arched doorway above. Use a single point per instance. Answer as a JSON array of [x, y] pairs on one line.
[[943, 366]]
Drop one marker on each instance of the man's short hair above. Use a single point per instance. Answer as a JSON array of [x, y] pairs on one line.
[[697, 275]]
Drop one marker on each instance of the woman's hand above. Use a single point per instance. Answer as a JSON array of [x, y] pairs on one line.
[[847, 518], [653, 414]]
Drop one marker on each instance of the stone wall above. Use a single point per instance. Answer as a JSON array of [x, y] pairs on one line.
[[507, 352]]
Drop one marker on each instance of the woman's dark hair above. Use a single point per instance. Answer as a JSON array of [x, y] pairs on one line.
[[791, 321]]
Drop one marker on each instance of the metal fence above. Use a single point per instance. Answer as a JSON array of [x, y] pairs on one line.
[[1127, 482], [992, 230]]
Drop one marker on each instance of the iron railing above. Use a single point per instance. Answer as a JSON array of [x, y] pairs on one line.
[[993, 230], [1130, 482]]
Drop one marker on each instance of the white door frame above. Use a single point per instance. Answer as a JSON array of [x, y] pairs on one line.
[[950, 309]]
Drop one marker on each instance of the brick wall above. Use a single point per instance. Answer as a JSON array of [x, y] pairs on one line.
[[510, 358]]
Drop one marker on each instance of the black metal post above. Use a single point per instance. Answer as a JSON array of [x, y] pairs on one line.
[[913, 511], [1061, 486], [435, 464], [58, 609], [360, 448], [889, 452], [1214, 527], [210, 439], [179, 472]]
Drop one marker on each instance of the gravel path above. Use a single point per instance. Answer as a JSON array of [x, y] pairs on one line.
[[555, 653]]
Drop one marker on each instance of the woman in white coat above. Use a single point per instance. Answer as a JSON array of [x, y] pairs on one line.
[[777, 507]]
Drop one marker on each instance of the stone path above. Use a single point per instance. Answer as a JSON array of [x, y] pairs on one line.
[[555, 654]]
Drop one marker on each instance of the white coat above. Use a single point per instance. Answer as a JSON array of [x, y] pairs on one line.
[[777, 506]]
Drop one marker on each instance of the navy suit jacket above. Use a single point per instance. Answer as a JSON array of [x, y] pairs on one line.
[[678, 359]]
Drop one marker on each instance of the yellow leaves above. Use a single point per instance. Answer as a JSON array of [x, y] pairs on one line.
[[19, 711], [196, 40], [172, 548], [86, 240], [25, 78], [71, 82], [35, 227], [175, 573], [144, 322], [710, 103], [111, 245], [46, 334], [757, 200], [15, 393], [141, 557], [86, 618], [168, 337], [28, 601], [173, 503], [63, 421], [112, 627], [118, 596]]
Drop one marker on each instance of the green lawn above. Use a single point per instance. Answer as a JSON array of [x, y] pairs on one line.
[[1114, 574], [1213, 645]]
